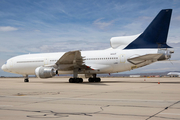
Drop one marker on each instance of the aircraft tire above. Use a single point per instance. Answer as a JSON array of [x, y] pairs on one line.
[[80, 80], [91, 80], [70, 80], [26, 80], [97, 79], [75, 80]]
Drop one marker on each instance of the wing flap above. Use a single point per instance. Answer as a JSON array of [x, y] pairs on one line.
[[72, 57], [71, 60]]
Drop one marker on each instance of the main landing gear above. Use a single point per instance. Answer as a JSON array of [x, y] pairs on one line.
[[75, 79], [26, 79], [94, 79]]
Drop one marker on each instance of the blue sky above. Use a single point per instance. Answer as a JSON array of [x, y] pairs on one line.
[[36, 26]]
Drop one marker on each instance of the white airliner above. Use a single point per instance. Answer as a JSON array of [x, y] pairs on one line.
[[174, 74], [126, 53]]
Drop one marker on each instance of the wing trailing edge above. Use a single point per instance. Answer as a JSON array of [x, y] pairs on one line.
[[72, 60]]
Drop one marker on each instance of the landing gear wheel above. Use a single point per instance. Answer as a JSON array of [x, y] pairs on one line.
[[26, 80], [80, 80], [75, 80], [94, 79], [70, 80], [97, 79], [91, 80]]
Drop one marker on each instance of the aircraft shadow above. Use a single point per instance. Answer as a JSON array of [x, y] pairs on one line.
[[161, 82], [105, 83]]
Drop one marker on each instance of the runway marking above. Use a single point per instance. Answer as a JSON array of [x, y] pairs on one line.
[[169, 113]]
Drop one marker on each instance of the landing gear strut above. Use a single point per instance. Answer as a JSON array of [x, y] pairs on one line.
[[75, 79], [94, 79], [26, 79]]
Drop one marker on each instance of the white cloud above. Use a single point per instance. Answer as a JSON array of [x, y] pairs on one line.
[[73, 45], [5, 49], [102, 25], [8, 28], [132, 28], [177, 18], [37, 31]]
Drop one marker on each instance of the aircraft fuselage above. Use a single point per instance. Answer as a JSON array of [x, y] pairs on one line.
[[102, 61]]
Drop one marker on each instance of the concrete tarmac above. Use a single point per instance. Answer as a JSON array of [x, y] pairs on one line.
[[112, 99]]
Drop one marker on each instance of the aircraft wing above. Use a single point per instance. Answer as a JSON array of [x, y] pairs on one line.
[[71, 60], [144, 58]]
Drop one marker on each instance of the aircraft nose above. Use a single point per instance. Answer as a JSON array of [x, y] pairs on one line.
[[4, 67]]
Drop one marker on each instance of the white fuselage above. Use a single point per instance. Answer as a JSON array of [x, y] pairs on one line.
[[174, 74], [102, 61]]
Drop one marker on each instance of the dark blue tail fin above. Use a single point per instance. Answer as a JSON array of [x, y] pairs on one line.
[[155, 35]]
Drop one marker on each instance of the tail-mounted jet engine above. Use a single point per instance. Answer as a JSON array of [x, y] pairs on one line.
[[166, 54], [45, 72]]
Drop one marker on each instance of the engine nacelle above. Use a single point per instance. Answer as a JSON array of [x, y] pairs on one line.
[[166, 54], [45, 72], [122, 40]]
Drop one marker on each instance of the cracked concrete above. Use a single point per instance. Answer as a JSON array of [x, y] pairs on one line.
[[113, 98]]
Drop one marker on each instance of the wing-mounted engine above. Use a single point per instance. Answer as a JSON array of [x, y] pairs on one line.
[[122, 42], [45, 72]]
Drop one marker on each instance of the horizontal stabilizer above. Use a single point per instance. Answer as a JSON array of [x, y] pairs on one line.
[[143, 58]]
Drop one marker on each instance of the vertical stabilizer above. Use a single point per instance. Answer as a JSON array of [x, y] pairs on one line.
[[155, 35]]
